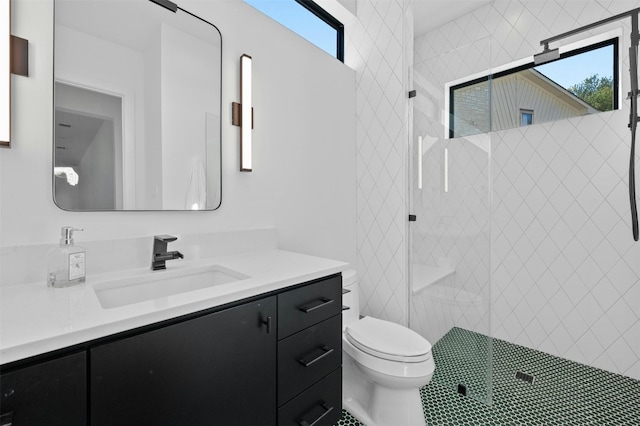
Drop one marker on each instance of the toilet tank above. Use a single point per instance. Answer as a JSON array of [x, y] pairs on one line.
[[351, 299]]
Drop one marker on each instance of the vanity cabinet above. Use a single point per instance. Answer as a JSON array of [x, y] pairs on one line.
[[49, 393], [310, 354], [273, 359], [216, 369]]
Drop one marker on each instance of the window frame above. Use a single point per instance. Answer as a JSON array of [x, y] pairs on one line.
[[610, 40], [526, 111], [324, 16], [330, 20]]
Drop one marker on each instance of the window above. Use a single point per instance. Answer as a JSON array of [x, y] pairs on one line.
[[583, 81], [308, 20], [526, 117]]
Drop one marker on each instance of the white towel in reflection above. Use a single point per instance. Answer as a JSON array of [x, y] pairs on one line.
[[197, 187]]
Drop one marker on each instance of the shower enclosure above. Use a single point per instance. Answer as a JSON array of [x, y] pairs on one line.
[[519, 190]]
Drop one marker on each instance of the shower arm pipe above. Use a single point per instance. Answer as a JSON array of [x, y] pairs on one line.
[[632, 12]]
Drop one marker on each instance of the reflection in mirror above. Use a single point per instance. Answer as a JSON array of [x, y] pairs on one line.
[[137, 107]]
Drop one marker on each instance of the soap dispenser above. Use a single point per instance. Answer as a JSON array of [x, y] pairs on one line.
[[66, 263]]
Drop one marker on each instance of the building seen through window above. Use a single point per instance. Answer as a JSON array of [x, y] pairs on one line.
[[581, 82]]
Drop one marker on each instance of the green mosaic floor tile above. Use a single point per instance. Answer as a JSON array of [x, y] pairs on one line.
[[348, 420], [464, 358], [563, 393]]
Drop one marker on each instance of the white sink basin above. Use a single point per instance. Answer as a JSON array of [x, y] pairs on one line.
[[157, 284]]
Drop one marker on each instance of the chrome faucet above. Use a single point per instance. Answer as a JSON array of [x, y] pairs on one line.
[[160, 253]]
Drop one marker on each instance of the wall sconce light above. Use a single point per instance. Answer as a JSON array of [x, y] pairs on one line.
[[14, 59], [5, 73], [242, 113]]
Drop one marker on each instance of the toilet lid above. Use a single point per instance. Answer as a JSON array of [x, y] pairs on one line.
[[388, 340]]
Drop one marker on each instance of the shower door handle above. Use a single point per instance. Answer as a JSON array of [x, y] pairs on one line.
[[419, 162]]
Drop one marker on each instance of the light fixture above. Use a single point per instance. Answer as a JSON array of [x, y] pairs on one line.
[[5, 73], [242, 113]]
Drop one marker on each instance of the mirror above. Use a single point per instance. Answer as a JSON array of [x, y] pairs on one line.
[[137, 99]]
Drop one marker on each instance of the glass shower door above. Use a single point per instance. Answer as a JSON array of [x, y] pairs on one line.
[[450, 239]]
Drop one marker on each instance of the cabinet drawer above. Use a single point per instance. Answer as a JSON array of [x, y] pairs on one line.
[[308, 305], [308, 356], [51, 393], [320, 405]]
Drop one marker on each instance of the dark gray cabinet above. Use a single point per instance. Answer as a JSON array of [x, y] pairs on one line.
[[270, 360], [49, 393], [310, 354], [215, 369]]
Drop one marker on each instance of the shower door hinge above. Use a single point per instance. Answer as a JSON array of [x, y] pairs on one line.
[[412, 218], [412, 94]]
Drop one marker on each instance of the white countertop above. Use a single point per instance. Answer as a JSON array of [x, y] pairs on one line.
[[35, 319]]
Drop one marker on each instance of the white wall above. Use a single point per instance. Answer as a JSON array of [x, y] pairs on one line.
[[304, 154]]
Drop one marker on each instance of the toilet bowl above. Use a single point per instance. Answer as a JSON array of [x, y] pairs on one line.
[[384, 366]]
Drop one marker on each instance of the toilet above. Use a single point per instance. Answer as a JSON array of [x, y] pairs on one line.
[[384, 366]]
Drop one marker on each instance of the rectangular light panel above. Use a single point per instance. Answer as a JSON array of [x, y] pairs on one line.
[[245, 100], [5, 73]]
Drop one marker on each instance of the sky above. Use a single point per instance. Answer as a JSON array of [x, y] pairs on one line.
[[569, 71], [298, 19]]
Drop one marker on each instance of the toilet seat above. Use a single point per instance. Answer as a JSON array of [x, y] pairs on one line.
[[387, 340]]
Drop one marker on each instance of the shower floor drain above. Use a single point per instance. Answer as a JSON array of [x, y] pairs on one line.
[[525, 377]]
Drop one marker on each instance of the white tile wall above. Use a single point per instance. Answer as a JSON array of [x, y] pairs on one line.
[[379, 46], [571, 260], [564, 271]]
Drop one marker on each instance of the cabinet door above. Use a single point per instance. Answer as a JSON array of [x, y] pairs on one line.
[[219, 369], [50, 393]]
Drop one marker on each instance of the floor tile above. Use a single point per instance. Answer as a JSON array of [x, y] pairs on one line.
[[563, 392]]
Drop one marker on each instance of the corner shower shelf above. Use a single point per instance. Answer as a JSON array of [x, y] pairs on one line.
[[424, 276]]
